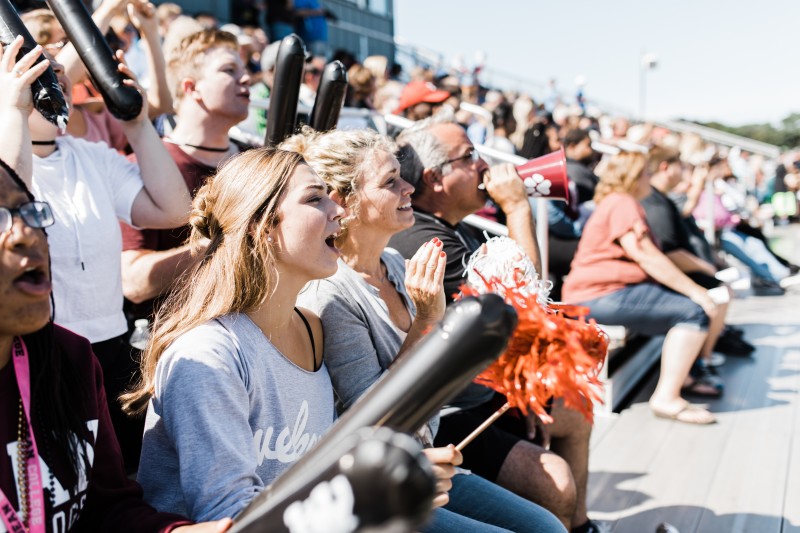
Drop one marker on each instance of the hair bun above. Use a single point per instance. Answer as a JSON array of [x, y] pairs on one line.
[[201, 220]]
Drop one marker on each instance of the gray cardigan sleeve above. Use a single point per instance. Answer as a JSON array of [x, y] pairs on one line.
[[350, 353]]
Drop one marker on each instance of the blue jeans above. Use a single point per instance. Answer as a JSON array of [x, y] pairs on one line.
[[477, 505], [754, 254], [648, 309]]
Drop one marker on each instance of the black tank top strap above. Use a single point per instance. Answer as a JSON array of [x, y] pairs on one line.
[[310, 336]]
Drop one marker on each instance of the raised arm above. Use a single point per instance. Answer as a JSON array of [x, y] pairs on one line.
[[164, 202], [16, 104], [143, 17], [505, 188]]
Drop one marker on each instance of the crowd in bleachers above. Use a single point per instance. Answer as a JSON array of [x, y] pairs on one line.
[[280, 283]]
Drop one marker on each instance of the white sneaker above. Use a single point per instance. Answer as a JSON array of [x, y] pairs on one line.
[[716, 359], [790, 281]]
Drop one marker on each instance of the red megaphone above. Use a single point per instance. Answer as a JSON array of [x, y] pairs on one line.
[[546, 176]]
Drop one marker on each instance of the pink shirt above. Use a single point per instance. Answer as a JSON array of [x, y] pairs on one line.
[[600, 265]]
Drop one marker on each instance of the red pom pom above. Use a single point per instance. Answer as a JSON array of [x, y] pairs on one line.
[[549, 354]]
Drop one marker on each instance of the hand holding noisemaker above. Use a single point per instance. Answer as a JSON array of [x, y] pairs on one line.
[[123, 101], [378, 477], [47, 96]]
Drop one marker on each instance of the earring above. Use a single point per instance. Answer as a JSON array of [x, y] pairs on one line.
[[269, 239]]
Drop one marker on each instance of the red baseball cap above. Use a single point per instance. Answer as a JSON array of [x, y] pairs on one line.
[[417, 92]]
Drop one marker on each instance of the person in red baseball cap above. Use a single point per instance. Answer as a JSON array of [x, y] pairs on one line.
[[419, 98]]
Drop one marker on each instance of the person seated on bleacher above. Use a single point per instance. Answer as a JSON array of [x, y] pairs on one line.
[[90, 188], [374, 309], [624, 279], [438, 158], [234, 382], [669, 229]]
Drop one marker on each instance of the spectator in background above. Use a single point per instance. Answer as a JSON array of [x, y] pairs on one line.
[[207, 20], [665, 171], [420, 100], [361, 87], [210, 86], [280, 19], [540, 138], [624, 279], [312, 74], [166, 14], [565, 221], [504, 125], [312, 26]]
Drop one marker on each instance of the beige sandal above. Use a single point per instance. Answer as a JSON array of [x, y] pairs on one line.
[[688, 414]]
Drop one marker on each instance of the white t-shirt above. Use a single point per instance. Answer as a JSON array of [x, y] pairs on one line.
[[90, 188]]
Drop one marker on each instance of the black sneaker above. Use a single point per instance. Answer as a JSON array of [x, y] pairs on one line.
[[735, 346]]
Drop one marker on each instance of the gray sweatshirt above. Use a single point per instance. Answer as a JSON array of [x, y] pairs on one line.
[[230, 414], [361, 341]]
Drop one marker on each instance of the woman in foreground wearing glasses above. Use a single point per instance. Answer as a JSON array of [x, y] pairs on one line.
[[376, 307]]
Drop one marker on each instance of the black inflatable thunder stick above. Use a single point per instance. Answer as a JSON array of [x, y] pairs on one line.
[[47, 96], [330, 97], [378, 480], [285, 90], [473, 333], [122, 101]]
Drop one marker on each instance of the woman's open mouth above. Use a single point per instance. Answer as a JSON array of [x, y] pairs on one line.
[[33, 281]]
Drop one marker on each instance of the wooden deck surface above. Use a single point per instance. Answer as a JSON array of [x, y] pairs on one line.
[[741, 474]]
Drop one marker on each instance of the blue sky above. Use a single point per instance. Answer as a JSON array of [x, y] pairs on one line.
[[733, 61]]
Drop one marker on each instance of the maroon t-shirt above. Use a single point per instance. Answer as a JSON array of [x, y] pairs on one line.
[[194, 174], [105, 499]]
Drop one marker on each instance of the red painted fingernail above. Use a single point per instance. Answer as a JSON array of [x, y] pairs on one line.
[[442, 254]]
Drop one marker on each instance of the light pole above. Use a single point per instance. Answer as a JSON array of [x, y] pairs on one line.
[[647, 61]]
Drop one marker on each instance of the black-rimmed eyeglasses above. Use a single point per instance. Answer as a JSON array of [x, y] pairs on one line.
[[34, 214], [472, 156]]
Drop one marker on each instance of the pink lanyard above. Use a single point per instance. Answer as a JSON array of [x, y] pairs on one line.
[[19, 353]]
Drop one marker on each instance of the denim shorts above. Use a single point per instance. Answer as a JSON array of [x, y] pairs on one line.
[[648, 309]]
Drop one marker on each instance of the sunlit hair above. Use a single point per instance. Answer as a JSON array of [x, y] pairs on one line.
[[41, 24], [661, 154], [186, 59], [232, 215], [620, 174], [341, 158]]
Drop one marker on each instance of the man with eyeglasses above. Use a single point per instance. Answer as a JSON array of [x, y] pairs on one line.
[[451, 182]]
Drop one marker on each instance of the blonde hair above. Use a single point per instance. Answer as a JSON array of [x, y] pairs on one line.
[[232, 213], [620, 174], [186, 59], [341, 158], [41, 23]]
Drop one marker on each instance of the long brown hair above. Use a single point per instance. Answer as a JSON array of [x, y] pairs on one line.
[[620, 174], [232, 213]]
